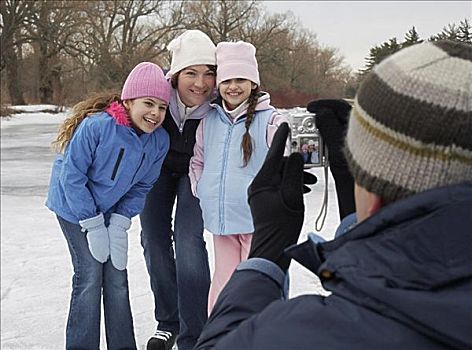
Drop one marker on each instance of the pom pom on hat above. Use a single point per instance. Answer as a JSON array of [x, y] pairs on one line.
[[192, 47], [146, 80], [411, 125], [236, 60]]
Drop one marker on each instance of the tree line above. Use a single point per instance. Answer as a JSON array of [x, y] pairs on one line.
[[59, 51], [454, 32]]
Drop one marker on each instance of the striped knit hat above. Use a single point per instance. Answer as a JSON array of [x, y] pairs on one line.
[[410, 129]]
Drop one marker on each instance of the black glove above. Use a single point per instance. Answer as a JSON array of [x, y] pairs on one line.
[[276, 200], [332, 117]]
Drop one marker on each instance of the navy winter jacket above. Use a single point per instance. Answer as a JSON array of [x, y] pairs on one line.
[[105, 168], [402, 279]]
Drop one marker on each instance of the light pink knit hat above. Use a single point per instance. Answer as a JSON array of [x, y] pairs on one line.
[[236, 60], [146, 80]]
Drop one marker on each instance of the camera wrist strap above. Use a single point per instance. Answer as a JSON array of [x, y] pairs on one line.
[[324, 205]]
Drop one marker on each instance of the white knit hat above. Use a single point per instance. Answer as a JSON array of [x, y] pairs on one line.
[[192, 47]]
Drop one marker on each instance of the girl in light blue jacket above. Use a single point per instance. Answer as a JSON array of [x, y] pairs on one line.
[[110, 154], [231, 145]]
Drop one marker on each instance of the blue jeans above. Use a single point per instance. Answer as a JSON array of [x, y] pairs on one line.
[[180, 285], [91, 278]]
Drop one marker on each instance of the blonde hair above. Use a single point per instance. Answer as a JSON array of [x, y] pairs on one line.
[[80, 111], [246, 143]]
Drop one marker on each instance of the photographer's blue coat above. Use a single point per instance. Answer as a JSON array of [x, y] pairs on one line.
[[402, 279]]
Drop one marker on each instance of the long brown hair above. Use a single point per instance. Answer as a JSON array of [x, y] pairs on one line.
[[246, 143], [80, 111]]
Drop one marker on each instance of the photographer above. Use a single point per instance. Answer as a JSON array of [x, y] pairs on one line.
[[402, 277]]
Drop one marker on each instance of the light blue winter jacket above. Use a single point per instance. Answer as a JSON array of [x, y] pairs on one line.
[[105, 168], [222, 187]]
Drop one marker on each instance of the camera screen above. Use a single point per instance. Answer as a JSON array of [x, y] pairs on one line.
[[310, 150]]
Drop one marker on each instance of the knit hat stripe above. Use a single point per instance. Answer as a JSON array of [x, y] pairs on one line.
[[455, 49], [433, 90], [402, 111], [438, 164], [409, 144], [429, 54], [387, 190]]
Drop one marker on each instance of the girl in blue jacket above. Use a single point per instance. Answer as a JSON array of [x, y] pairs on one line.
[[110, 153], [231, 144]]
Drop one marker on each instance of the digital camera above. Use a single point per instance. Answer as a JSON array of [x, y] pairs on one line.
[[306, 139]]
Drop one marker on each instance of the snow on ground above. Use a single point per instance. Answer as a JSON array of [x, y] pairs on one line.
[[36, 271]]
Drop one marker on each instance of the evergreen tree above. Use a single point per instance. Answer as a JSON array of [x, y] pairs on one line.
[[411, 38], [462, 33], [378, 53], [465, 31], [451, 32]]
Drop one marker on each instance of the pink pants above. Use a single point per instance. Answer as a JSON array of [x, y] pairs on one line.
[[229, 251]]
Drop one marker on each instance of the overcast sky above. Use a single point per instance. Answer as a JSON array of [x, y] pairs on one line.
[[353, 27]]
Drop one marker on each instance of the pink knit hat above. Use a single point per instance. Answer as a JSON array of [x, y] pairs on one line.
[[236, 60], [146, 80]]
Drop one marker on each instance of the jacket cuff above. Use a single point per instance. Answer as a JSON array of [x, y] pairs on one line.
[[93, 222], [266, 267]]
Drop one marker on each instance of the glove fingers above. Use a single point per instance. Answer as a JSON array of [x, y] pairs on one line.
[[273, 159], [309, 178], [292, 182]]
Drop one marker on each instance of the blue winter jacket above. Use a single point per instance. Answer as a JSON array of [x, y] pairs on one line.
[[105, 168], [402, 279], [222, 188]]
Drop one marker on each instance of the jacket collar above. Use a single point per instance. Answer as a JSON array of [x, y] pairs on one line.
[[119, 113], [197, 113], [398, 230], [263, 103]]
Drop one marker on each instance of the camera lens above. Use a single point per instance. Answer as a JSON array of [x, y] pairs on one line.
[[309, 124]]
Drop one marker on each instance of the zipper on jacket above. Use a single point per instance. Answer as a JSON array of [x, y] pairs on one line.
[[117, 164], [181, 125], [139, 166], [223, 177]]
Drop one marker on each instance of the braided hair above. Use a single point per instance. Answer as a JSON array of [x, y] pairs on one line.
[[246, 143]]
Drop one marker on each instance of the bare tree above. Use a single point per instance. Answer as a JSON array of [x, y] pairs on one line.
[[70, 48], [220, 19], [52, 29], [123, 33], [13, 14]]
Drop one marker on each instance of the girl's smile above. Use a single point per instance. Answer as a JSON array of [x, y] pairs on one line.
[[146, 113], [235, 91]]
